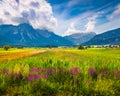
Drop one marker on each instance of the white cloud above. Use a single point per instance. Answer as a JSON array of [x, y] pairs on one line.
[[113, 24], [115, 14], [90, 26], [36, 12], [113, 21], [64, 25], [72, 30], [74, 2]]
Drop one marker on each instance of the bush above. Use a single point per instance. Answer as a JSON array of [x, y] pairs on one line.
[[81, 47], [6, 47]]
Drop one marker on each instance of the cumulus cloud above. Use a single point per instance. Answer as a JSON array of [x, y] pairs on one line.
[[72, 29], [90, 26], [116, 13], [38, 13]]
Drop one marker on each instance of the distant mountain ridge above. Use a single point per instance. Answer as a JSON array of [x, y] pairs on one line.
[[79, 38], [26, 35], [109, 37]]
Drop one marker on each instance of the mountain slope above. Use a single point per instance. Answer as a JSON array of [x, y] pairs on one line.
[[109, 37], [26, 35], [79, 38]]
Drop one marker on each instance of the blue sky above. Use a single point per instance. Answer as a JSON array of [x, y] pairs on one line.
[[63, 17], [86, 15]]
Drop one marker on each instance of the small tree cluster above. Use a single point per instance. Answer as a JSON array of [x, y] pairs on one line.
[[6, 47], [81, 47]]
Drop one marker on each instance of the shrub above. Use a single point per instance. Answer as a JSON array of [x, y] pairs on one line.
[[6, 47], [80, 47]]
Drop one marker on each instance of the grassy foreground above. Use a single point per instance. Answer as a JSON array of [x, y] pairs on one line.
[[62, 72]]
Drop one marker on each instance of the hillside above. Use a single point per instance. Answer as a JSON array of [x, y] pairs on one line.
[[79, 38], [109, 37], [26, 35]]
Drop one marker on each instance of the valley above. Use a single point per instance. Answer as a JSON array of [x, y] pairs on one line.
[[59, 71]]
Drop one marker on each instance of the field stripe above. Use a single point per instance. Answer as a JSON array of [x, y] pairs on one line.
[[17, 55]]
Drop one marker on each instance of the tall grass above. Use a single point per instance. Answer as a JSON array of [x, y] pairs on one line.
[[63, 72]]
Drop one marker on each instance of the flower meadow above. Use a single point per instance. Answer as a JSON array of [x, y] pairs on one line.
[[62, 72]]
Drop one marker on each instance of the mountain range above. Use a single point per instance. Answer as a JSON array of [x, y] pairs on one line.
[[109, 37], [79, 38], [26, 35]]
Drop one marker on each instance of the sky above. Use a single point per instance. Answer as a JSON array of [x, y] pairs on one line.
[[63, 17]]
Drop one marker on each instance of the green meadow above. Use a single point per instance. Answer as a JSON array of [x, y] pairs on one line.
[[60, 72]]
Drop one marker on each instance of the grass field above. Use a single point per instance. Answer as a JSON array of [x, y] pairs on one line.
[[60, 72], [17, 53]]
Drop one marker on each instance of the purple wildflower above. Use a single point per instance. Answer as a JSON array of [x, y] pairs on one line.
[[33, 77], [41, 70], [104, 72], [51, 71], [35, 69], [75, 71], [44, 77], [92, 71], [36, 76], [30, 77], [5, 71], [117, 73]]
